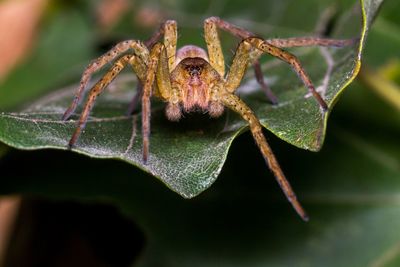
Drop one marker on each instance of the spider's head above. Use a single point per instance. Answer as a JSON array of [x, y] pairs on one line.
[[194, 78], [194, 68]]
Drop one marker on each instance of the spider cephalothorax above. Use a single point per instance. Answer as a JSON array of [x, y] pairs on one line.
[[190, 79], [194, 80]]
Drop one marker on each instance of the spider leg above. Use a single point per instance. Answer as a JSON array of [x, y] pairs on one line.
[[140, 68], [95, 91], [214, 47], [157, 70], [278, 42], [215, 51], [229, 27], [296, 42], [169, 30], [291, 60], [139, 49], [236, 104], [242, 59], [260, 79], [310, 41], [135, 99], [238, 67]]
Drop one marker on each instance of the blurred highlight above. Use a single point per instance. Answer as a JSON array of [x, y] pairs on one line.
[[382, 82], [18, 26], [109, 12]]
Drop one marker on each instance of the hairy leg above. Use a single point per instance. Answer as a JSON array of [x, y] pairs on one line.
[[95, 91], [236, 104], [293, 61], [231, 28], [139, 50], [140, 69], [216, 22], [238, 68], [157, 70], [260, 79], [216, 56], [284, 42], [310, 41], [163, 89], [214, 48], [135, 99], [242, 59], [215, 51], [169, 30]]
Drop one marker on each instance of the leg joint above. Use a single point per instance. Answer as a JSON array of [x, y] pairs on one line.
[[212, 20]]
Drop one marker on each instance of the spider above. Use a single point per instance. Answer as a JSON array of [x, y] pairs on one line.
[[190, 79]]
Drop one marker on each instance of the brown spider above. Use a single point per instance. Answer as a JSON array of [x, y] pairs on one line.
[[190, 79]]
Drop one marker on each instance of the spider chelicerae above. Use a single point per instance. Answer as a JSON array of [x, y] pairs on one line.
[[190, 79]]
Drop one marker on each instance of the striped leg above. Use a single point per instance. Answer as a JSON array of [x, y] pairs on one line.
[[139, 50], [95, 91]]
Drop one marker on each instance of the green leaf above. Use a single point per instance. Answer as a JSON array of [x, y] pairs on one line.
[[351, 190], [189, 155]]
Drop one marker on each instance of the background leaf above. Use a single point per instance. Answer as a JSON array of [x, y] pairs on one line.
[[188, 156], [63, 46], [351, 190]]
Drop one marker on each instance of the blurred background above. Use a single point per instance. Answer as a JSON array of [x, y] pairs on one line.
[[62, 209]]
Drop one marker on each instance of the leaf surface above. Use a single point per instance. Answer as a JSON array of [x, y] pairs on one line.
[[189, 155]]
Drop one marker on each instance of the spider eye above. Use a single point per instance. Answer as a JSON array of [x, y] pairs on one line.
[[194, 70]]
